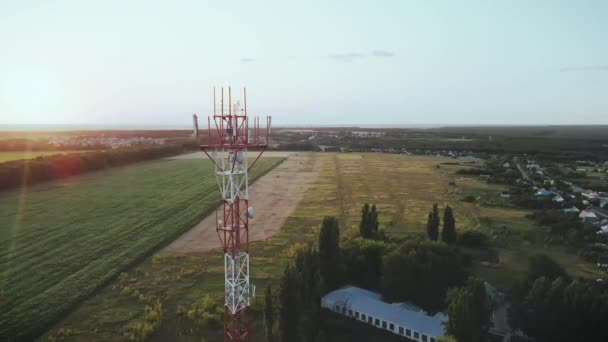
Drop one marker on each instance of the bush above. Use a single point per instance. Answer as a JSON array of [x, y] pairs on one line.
[[469, 198], [206, 313], [142, 298], [125, 291], [593, 253], [181, 311], [473, 239], [123, 277], [140, 331]]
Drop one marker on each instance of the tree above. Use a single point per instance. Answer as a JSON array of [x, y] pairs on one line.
[[563, 310], [421, 272], [363, 225], [307, 267], [447, 339], [373, 221], [289, 313], [368, 227], [268, 315], [473, 239], [541, 265], [329, 254], [362, 260], [432, 225], [300, 297], [448, 233], [468, 311]]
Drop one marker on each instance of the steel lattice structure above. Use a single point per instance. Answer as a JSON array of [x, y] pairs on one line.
[[226, 143]]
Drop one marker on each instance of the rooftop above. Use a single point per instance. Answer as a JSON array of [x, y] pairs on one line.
[[401, 314]]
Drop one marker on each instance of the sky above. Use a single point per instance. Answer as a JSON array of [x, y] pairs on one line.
[[305, 62]]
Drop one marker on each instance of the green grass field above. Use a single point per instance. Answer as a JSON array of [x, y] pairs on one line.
[[403, 188], [8, 156], [62, 240]]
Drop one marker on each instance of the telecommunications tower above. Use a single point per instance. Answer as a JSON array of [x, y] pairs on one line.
[[226, 143]]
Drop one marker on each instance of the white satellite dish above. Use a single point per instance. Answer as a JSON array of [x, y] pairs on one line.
[[250, 212], [240, 158], [195, 124]]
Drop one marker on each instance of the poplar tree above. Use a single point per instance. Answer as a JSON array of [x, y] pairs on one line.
[[289, 314], [368, 227], [448, 233], [329, 253], [432, 225], [363, 224], [268, 315]]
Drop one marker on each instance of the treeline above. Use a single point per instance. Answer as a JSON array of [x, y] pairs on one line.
[[551, 306], [535, 147], [427, 273], [546, 305], [18, 173], [434, 273], [297, 146], [39, 141], [23, 144]]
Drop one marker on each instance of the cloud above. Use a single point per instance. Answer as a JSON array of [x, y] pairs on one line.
[[382, 53], [585, 68], [352, 56], [347, 57]]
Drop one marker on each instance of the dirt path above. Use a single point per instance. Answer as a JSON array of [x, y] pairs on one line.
[[274, 197]]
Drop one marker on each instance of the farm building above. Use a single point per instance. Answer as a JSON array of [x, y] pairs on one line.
[[398, 318]]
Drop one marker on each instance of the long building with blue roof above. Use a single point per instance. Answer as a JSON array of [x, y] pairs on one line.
[[402, 319]]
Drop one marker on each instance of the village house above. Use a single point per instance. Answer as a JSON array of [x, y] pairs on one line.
[[570, 210], [544, 193], [533, 166], [588, 216], [590, 194]]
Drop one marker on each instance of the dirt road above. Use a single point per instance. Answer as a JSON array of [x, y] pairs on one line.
[[273, 197]]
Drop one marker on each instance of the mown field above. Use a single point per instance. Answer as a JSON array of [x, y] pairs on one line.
[[403, 188], [60, 241]]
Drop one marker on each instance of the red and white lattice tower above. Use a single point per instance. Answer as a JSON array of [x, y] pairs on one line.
[[229, 137]]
